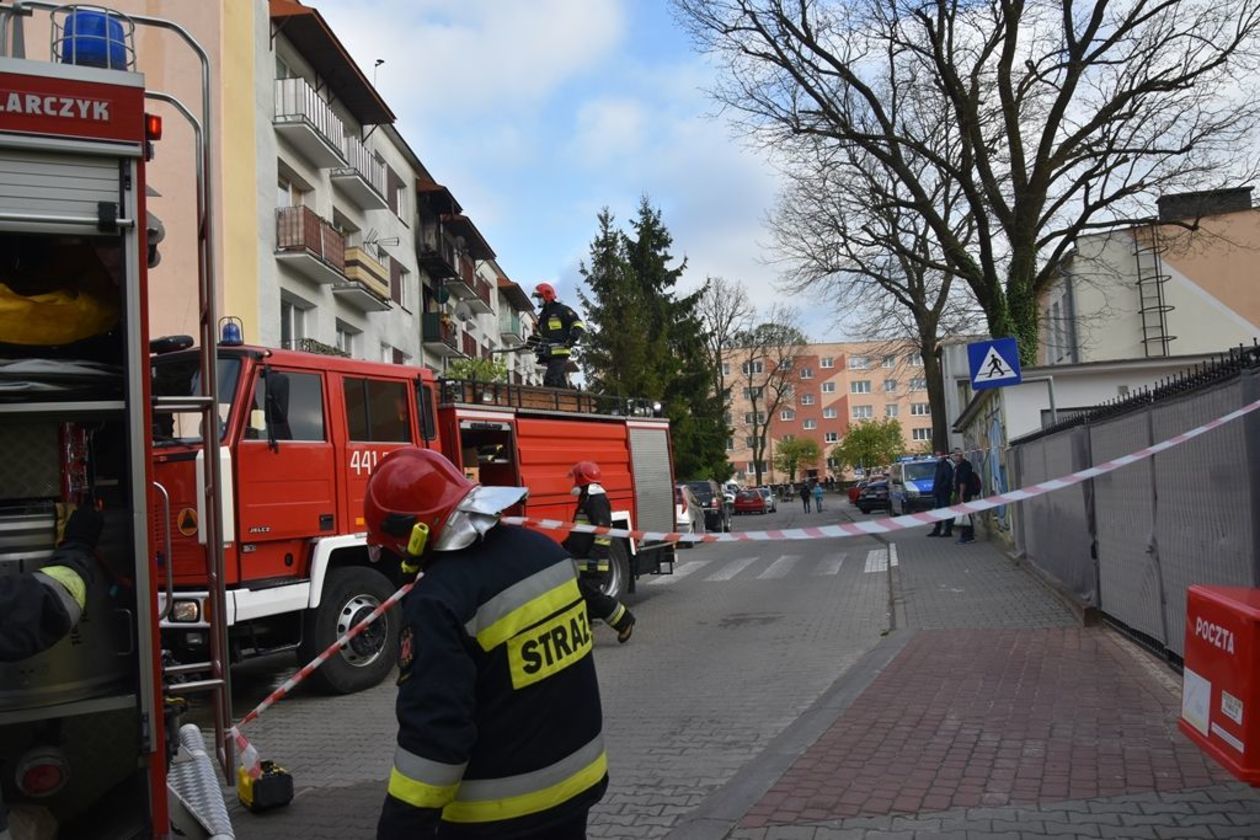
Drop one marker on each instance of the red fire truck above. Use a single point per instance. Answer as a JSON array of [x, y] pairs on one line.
[[89, 728], [301, 434]]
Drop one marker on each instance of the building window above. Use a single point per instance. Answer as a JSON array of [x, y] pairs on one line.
[[807, 373], [730, 443], [860, 386], [863, 412], [292, 323], [807, 399], [888, 361], [726, 368], [760, 417], [831, 437], [753, 367], [810, 424], [920, 409], [786, 438], [859, 363], [749, 393], [829, 387], [787, 414], [284, 193], [914, 360], [387, 353], [918, 384], [751, 441], [830, 413], [890, 386], [827, 362], [890, 410], [347, 337], [920, 434]]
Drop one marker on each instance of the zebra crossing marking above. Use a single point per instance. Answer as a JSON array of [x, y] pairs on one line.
[[830, 565], [779, 568], [733, 568], [680, 572], [879, 559]]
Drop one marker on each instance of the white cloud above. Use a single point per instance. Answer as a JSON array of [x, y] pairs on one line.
[[607, 129]]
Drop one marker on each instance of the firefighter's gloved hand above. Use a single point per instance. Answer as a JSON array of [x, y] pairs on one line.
[[84, 527]]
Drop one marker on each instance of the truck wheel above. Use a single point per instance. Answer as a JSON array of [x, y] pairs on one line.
[[617, 580], [350, 593]]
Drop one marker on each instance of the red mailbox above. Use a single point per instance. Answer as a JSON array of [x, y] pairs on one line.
[[1220, 692]]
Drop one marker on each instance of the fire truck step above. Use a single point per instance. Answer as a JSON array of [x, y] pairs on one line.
[[194, 784], [173, 404], [189, 668]]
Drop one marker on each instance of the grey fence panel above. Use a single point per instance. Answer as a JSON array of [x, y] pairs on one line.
[[1054, 529], [1204, 502], [1128, 571]]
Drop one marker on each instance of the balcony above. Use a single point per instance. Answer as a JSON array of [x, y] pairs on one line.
[[308, 123], [470, 346], [480, 302], [436, 252], [464, 284], [511, 328], [310, 245], [310, 345], [368, 287], [439, 337], [363, 178]]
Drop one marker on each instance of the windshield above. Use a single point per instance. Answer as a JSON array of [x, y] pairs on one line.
[[180, 376], [921, 471], [702, 489]]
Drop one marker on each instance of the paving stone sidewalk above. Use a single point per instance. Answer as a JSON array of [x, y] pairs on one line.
[[999, 718]]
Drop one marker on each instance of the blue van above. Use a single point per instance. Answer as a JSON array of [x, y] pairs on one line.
[[910, 485]]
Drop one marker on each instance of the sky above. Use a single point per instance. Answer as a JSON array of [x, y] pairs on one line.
[[537, 113]]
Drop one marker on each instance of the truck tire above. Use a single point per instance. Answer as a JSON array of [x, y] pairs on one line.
[[350, 593], [616, 581]]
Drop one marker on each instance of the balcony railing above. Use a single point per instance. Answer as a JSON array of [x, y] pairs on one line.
[[363, 176], [310, 345], [436, 331], [437, 253], [300, 229], [297, 103], [470, 346], [511, 328], [362, 160]]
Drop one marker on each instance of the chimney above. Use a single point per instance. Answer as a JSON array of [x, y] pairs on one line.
[[1192, 205]]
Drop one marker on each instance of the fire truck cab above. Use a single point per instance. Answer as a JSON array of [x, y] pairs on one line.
[[301, 434]]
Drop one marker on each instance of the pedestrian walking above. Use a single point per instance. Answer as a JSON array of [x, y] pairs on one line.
[[818, 496], [805, 495], [942, 492], [591, 551], [499, 718], [966, 486]]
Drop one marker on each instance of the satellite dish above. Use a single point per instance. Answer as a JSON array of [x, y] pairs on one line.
[[463, 312]]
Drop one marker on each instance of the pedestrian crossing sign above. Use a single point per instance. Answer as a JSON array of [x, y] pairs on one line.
[[994, 363]]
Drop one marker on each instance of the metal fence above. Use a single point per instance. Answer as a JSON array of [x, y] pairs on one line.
[[1131, 542]]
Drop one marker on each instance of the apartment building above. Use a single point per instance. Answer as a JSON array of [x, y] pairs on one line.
[[330, 235], [1182, 285], [832, 387]]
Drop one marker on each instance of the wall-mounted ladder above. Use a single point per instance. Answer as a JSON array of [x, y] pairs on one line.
[[1152, 307]]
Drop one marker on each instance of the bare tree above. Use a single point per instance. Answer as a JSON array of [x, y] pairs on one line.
[[844, 234], [767, 355], [726, 313], [1071, 117]]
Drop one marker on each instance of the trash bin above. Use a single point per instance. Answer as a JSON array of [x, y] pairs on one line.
[[1220, 692]]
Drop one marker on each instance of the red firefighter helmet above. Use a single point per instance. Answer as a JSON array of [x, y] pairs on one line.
[[584, 473], [546, 291], [418, 487]]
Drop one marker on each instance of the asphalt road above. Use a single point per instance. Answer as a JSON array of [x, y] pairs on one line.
[[728, 651]]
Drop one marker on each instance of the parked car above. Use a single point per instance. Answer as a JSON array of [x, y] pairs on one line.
[[874, 496], [717, 509], [688, 512], [855, 490], [772, 501], [910, 486], [750, 501]]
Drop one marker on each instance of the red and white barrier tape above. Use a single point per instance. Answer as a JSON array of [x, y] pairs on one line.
[[247, 755], [894, 523]]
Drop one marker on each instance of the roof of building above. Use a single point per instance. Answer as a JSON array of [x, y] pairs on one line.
[[515, 295], [461, 225], [319, 45], [441, 199]]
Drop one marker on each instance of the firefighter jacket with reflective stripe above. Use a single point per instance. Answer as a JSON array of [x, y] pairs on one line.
[[590, 550], [499, 720], [40, 608], [561, 327]]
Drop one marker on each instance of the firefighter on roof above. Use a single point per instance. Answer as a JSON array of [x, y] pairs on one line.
[[591, 551], [561, 329], [40, 608], [495, 640]]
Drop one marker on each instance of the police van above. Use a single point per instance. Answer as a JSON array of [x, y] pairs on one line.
[[910, 483]]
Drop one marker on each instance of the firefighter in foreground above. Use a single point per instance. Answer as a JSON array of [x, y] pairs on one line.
[[40, 608], [561, 328], [591, 550], [499, 718]]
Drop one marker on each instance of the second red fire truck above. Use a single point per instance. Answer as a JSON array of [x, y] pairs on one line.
[[300, 435]]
